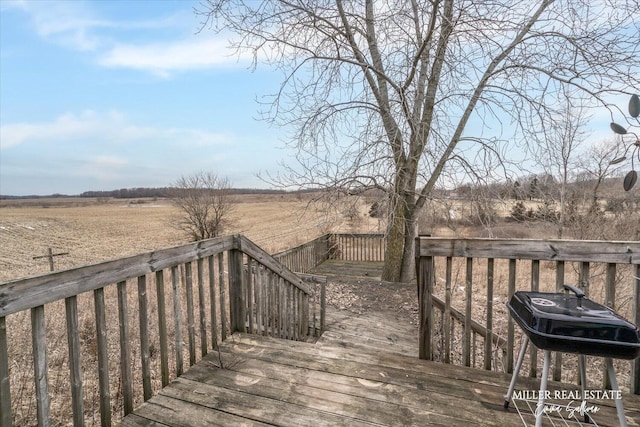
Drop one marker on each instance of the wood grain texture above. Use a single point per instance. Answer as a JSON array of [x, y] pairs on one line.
[[547, 250], [75, 364], [355, 374], [23, 294]]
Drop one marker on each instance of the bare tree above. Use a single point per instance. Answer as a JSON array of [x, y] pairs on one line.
[[596, 166], [557, 148], [389, 94], [204, 204]]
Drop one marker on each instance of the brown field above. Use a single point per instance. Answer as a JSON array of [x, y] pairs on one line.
[[91, 230]]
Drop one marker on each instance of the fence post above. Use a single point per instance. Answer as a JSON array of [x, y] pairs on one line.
[[236, 288], [424, 276]]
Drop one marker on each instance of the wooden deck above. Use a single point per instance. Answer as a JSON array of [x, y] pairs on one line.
[[333, 267], [362, 371]]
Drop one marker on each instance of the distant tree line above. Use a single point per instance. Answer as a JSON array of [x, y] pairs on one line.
[[132, 193], [140, 192]]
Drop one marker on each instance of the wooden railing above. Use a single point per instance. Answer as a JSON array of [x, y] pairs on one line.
[[489, 271], [236, 286], [304, 258], [341, 246], [357, 247]]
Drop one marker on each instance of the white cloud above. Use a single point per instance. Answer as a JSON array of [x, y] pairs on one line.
[[164, 58], [110, 128], [76, 25], [104, 168], [71, 24], [100, 150]]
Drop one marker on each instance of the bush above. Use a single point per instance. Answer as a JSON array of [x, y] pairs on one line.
[[519, 212], [377, 210]]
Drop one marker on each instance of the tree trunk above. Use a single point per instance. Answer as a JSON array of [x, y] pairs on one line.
[[395, 245], [408, 272], [399, 257]]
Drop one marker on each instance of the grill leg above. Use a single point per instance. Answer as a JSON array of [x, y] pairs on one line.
[[514, 377], [614, 386], [582, 367], [543, 388]]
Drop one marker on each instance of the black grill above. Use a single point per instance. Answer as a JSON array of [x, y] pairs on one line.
[[572, 323]]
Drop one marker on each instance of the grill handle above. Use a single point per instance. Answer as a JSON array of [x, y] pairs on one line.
[[579, 293]]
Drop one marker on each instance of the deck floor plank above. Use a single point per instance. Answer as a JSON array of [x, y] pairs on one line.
[[362, 371], [161, 411]]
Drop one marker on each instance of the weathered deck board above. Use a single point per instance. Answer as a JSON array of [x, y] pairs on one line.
[[363, 371], [332, 267]]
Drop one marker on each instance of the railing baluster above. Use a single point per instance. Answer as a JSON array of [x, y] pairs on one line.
[[279, 305], [557, 363], [5, 389], [510, 325], [583, 283], [535, 287], [212, 298], [147, 391], [447, 310], [162, 328], [177, 319], [488, 340], [609, 301], [323, 305], [267, 302], [39, 341], [249, 295], [191, 326], [202, 309], [276, 305], [223, 302], [466, 353], [103, 357], [584, 278], [473, 349], [635, 364], [125, 349], [259, 290], [75, 364], [290, 311]]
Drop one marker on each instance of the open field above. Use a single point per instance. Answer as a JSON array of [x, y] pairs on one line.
[[92, 230]]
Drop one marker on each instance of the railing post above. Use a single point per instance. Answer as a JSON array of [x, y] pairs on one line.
[[5, 393], [125, 349], [635, 365], [236, 288], [38, 333], [424, 275], [75, 365]]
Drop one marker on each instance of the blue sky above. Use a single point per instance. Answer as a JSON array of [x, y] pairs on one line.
[[101, 95]]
